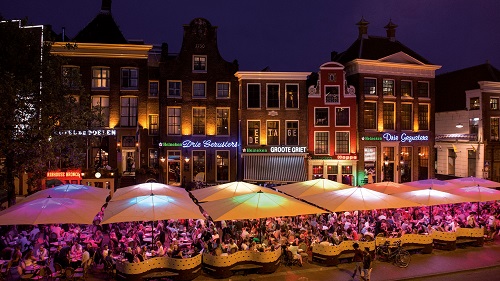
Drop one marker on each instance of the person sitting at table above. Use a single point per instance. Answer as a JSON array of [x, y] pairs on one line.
[[98, 238], [60, 258], [15, 268], [42, 255], [176, 252], [76, 255], [232, 247], [29, 258], [86, 257], [295, 252], [244, 245], [160, 252]]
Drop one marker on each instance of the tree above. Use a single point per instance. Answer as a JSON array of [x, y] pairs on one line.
[[35, 106]]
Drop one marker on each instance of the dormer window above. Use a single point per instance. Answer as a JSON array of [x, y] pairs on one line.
[[199, 63]]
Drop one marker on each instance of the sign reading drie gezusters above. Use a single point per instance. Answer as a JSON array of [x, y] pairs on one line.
[[403, 137]]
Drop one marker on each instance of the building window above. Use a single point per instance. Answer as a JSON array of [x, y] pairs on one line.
[[199, 63], [494, 103], [153, 124], [153, 89], [174, 121], [222, 121], [494, 128], [332, 172], [346, 169], [389, 116], [474, 104], [471, 163], [130, 77], [342, 116], [292, 132], [406, 89], [321, 117], [128, 116], [388, 87], [222, 165], [273, 96], [253, 95], [100, 77], [100, 105], [423, 89], [199, 120], [273, 132], [253, 132], [423, 117], [341, 142], [321, 142], [370, 86], [406, 116], [452, 156], [405, 163], [370, 115], [292, 95], [317, 171], [474, 126], [71, 76], [423, 162], [199, 163], [174, 88], [332, 94], [222, 90], [199, 90], [153, 158]]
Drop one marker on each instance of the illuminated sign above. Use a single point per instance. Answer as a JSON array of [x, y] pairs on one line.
[[197, 144], [403, 137], [87, 133], [277, 149], [346, 157], [67, 174]]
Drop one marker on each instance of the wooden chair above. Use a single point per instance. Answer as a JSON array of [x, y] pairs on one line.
[[69, 274], [290, 260]]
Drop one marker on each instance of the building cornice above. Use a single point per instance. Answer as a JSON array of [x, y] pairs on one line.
[[489, 86], [263, 75], [129, 51], [364, 66]]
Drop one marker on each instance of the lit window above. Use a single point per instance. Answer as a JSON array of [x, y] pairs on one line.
[[128, 116], [292, 132], [153, 158], [100, 77], [474, 104], [423, 117], [273, 135], [389, 113], [100, 105], [321, 142], [321, 117], [199, 163], [199, 120], [370, 86], [253, 132], [222, 165], [341, 142], [153, 124], [200, 63], [406, 90], [406, 116], [174, 121], [332, 94], [292, 96], [494, 128], [222, 121], [388, 87], [494, 103], [370, 115]]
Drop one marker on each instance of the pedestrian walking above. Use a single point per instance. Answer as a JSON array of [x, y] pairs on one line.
[[367, 264], [358, 259]]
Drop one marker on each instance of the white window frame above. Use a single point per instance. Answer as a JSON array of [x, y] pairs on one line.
[[67, 78], [228, 166], [157, 124], [205, 166], [298, 95], [327, 146], [204, 122], [194, 63], [298, 131], [97, 78], [411, 116], [428, 116], [428, 89], [260, 96], [267, 95], [393, 87], [228, 90], [228, 121], [348, 116], [157, 88], [260, 132], [106, 108], [328, 117], [411, 89], [376, 116], [279, 132], [376, 85], [180, 120], [132, 122], [393, 116], [348, 142], [168, 88], [205, 91], [130, 70], [332, 86]]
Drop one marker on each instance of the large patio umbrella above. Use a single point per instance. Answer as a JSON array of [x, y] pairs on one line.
[[227, 190], [306, 188], [357, 198], [150, 208], [51, 210], [435, 184], [430, 197], [146, 189], [473, 181], [389, 187], [477, 193], [261, 204], [73, 191]]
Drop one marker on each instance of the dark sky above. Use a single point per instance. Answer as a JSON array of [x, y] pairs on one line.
[[292, 35]]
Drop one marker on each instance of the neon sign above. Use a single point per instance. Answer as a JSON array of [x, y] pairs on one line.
[[403, 137], [276, 149], [67, 174], [99, 132], [197, 144]]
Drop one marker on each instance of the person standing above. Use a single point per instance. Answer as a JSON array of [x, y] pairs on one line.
[[367, 264], [358, 259]]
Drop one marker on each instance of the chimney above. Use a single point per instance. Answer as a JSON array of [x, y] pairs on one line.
[[391, 30], [363, 28], [106, 6]]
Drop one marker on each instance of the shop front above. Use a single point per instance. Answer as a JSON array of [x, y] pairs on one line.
[[338, 168]]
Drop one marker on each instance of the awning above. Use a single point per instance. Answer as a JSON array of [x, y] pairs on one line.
[[274, 168]]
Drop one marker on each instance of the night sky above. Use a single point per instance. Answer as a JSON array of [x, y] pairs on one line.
[[292, 35]]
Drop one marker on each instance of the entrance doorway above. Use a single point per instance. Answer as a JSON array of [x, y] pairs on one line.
[[128, 162], [174, 173]]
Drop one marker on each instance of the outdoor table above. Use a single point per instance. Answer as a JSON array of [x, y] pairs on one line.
[[60, 243], [83, 236], [147, 239]]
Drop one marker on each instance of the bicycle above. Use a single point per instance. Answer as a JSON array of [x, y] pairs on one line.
[[399, 256]]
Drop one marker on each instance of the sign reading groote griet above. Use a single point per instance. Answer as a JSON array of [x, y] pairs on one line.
[[403, 137], [197, 144]]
